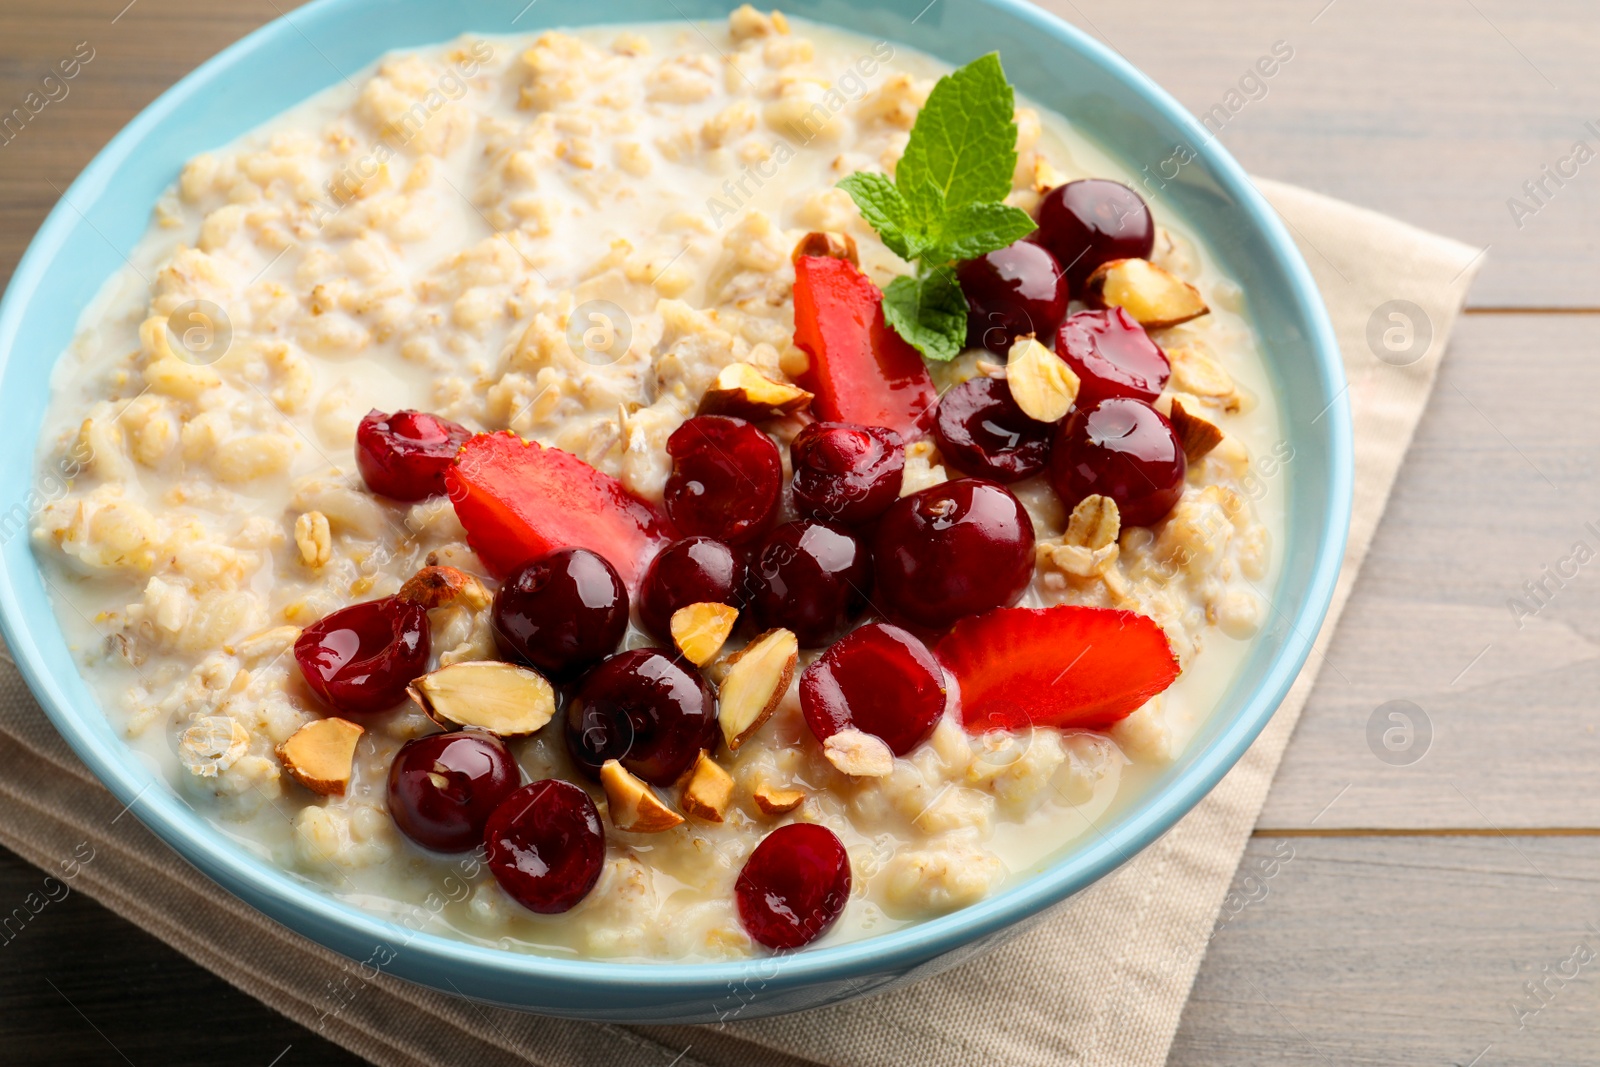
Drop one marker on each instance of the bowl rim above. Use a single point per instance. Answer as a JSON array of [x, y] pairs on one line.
[[260, 884]]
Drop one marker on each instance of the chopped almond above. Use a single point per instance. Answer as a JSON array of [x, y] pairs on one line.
[[1155, 297], [741, 390], [700, 630], [1042, 384], [758, 676], [1196, 434], [775, 801], [321, 755], [633, 805], [832, 245], [499, 697], [859, 754], [708, 790], [434, 587]]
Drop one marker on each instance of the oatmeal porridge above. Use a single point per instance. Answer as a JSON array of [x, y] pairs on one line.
[[541, 494]]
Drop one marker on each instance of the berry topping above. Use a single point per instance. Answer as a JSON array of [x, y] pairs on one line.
[[695, 570], [726, 480], [955, 549], [1087, 223], [810, 578], [878, 679], [1112, 356], [1123, 449], [982, 432], [846, 474], [563, 613], [861, 371], [793, 886], [546, 846], [1010, 292], [360, 659], [444, 787], [520, 501], [405, 455], [646, 711], [1068, 667]]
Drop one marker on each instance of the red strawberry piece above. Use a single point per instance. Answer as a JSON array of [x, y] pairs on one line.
[[520, 501], [861, 370], [1070, 667]]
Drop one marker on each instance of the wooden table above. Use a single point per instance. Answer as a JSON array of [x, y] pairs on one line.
[[1421, 899]]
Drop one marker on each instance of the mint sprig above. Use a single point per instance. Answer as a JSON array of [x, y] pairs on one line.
[[946, 202]]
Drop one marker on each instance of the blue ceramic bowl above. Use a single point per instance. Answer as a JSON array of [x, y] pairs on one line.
[[107, 209]]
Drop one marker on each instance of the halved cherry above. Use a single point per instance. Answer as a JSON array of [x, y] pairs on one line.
[[546, 846], [982, 432], [726, 480], [1112, 355], [794, 886], [360, 659], [878, 679], [405, 455]]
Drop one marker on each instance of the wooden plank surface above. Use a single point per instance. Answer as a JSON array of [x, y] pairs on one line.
[[1370, 948]]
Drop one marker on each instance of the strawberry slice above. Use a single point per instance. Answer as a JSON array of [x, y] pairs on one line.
[[1070, 667], [521, 501], [861, 370]]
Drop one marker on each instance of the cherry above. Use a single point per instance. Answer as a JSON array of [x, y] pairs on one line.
[[794, 886], [360, 659], [951, 550], [546, 846], [1090, 222], [1011, 292], [695, 570], [405, 455], [1126, 450], [810, 578], [444, 787], [1112, 356], [645, 709], [561, 613], [726, 480], [981, 431], [846, 473], [879, 679]]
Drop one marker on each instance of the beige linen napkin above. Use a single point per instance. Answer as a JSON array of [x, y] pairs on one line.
[[1102, 980]]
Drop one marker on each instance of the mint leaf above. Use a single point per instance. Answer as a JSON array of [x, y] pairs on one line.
[[963, 146], [929, 312], [969, 232], [884, 209]]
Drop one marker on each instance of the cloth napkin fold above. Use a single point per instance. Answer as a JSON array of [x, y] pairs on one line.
[[1102, 980]]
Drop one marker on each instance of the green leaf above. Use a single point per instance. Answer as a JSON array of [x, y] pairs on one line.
[[969, 232], [963, 147], [928, 311], [884, 209]]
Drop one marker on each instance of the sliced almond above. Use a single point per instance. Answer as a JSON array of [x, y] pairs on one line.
[[758, 676], [741, 390], [1155, 297], [1042, 384], [1196, 434], [321, 755], [775, 801], [859, 754], [633, 805], [700, 630], [827, 243], [708, 790], [434, 587], [1095, 522], [499, 697]]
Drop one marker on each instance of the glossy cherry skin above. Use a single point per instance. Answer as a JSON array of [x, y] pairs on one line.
[[794, 886], [695, 570], [726, 480], [444, 787], [405, 455], [844, 473], [952, 550], [1126, 450], [546, 846], [880, 679], [1112, 355], [562, 614], [982, 432], [651, 712], [360, 659], [1090, 222], [811, 578], [1011, 292]]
